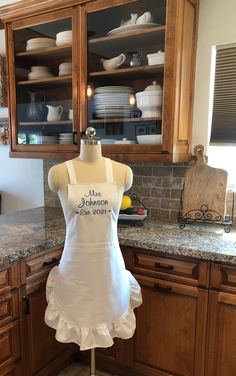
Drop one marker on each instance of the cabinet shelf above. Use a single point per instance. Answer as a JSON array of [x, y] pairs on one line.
[[46, 54], [50, 81], [138, 71], [29, 123], [120, 42], [122, 120]]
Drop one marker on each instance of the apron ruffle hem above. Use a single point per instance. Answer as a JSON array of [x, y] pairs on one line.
[[99, 336]]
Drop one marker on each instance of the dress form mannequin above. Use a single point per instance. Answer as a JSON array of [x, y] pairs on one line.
[[86, 307], [91, 165]]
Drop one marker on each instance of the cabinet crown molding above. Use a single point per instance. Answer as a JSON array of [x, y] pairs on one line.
[[26, 8]]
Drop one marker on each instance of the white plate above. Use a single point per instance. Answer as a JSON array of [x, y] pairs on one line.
[[130, 28], [133, 217]]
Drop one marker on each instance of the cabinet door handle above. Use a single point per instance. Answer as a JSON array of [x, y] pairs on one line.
[[164, 267], [161, 288], [75, 138], [49, 262], [26, 307]]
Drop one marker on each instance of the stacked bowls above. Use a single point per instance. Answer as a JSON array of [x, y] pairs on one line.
[[64, 37], [38, 72], [65, 69], [113, 101], [38, 43]]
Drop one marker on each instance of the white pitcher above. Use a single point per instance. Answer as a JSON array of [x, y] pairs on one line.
[[54, 113]]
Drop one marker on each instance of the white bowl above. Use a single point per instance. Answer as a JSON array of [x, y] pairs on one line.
[[150, 103], [150, 139], [64, 35], [157, 58]]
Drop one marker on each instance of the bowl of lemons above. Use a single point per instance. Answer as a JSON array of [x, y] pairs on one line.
[[132, 210]]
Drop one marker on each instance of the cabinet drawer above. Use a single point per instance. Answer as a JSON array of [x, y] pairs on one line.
[[187, 271], [40, 265], [8, 278], [223, 277], [8, 308], [9, 344]]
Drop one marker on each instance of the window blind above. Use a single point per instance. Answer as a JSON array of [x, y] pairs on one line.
[[223, 128]]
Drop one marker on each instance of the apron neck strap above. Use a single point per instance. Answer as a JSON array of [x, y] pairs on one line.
[[72, 175]]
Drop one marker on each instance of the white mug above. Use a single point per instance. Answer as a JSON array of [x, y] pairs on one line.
[[70, 114]]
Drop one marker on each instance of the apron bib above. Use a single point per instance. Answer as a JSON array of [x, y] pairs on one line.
[[90, 294]]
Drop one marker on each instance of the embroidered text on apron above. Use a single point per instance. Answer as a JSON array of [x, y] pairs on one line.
[[91, 296]]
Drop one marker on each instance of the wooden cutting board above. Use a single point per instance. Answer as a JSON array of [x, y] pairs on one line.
[[204, 185]]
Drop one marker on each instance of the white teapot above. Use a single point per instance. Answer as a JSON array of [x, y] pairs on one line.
[[113, 63], [54, 113]]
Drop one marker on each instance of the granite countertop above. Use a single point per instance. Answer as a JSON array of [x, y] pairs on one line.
[[32, 231]]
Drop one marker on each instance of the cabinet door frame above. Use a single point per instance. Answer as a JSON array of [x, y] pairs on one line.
[[41, 150]]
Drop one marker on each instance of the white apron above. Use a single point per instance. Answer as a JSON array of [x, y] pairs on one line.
[[90, 295]]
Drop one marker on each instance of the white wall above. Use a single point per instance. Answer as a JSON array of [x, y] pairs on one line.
[[21, 180], [217, 25]]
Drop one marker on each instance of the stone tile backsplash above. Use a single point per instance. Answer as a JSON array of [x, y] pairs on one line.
[[158, 186]]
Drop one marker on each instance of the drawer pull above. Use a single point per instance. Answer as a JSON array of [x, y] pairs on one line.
[[164, 267], [26, 309], [49, 262], [161, 288]]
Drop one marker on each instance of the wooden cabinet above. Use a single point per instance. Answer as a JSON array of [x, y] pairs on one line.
[[221, 349], [171, 329], [43, 355], [170, 337], [96, 35]]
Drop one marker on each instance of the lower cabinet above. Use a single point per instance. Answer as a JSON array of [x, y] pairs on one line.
[[221, 344], [171, 329], [221, 354], [44, 354], [170, 336], [186, 325]]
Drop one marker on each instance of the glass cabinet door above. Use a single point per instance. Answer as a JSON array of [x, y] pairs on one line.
[[125, 55], [43, 82]]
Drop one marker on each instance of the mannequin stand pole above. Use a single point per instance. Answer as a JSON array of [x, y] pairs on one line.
[[92, 365]]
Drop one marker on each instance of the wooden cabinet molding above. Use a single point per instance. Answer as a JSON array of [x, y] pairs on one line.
[[32, 7]]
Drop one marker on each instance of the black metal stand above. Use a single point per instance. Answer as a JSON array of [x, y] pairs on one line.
[[204, 215]]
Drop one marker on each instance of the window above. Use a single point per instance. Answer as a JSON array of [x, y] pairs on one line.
[[223, 129]]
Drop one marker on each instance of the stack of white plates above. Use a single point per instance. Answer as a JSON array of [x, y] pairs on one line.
[[113, 101], [64, 37], [65, 138], [39, 72], [37, 43], [49, 140], [65, 69]]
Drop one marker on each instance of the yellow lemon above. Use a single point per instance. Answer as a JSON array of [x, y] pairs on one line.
[[126, 202]]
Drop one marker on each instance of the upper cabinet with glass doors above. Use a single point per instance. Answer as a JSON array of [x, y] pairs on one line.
[[42, 84], [124, 67]]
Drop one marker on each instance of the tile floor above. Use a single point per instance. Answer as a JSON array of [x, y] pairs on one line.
[[76, 369]]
